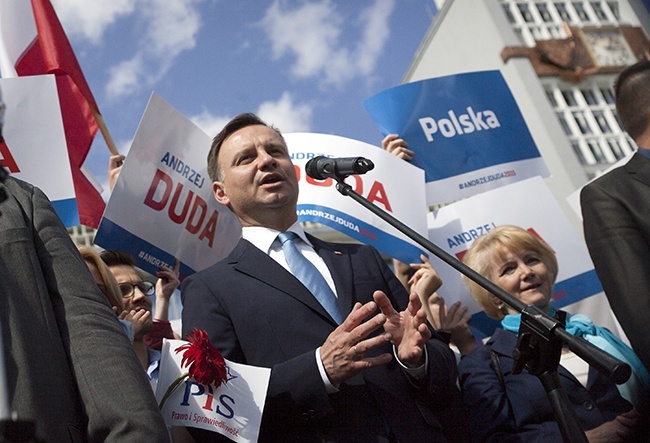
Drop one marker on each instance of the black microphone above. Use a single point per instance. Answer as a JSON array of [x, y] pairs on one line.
[[322, 167]]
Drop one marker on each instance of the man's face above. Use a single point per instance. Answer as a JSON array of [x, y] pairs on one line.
[[257, 176], [138, 300]]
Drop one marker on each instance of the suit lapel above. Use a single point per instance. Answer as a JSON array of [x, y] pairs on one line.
[[249, 260]]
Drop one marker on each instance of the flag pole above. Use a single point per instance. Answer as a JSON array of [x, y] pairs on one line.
[[107, 135]]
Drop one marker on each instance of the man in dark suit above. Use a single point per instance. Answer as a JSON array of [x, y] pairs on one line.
[[373, 377], [70, 369], [616, 216]]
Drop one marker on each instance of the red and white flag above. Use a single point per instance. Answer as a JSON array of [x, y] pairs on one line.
[[32, 42]]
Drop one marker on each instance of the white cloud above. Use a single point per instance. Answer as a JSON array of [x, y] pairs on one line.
[[376, 31], [124, 77], [210, 124], [172, 26], [286, 114], [168, 28], [311, 33], [91, 18]]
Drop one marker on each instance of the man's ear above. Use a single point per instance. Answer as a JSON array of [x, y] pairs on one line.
[[219, 191]]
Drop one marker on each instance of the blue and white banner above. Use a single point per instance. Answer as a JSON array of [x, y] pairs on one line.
[[530, 205], [466, 131], [34, 148], [394, 186], [162, 207], [234, 409]]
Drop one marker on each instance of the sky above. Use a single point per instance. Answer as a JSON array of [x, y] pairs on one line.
[[302, 65]]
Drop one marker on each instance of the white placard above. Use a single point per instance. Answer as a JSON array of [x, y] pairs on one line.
[[162, 206], [530, 205], [394, 186], [234, 409], [35, 148]]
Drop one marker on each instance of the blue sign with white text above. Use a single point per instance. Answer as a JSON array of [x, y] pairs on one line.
[[466, 131]]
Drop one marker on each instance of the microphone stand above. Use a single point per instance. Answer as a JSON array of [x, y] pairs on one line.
[[541, 336]]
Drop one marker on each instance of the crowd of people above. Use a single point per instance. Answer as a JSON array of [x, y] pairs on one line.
[[357, 351]]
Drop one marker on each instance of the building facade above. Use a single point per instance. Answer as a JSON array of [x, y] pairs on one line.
[[558, 60]]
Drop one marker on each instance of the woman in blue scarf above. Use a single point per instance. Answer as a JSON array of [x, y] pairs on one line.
[[502, 406]]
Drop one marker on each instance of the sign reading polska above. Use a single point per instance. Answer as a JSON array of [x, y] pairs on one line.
[[234, 409], [466, 130], [162, 207]]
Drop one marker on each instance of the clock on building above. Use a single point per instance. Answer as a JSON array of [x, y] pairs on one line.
[[585, 51], [608, 46]]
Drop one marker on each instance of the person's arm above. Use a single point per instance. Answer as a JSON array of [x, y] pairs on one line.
[[424, 281], [455, 321], [115, 163], [114, 390], [397, 146], [165, 286], [621, 253]]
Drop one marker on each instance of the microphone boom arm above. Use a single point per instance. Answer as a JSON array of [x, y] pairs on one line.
[[537, 329]]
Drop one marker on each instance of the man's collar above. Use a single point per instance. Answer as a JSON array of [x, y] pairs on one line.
[[644, 152], [263, 237]]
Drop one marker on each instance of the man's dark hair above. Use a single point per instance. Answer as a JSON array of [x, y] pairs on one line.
[[114, 257], [632, 90], [234, 125]]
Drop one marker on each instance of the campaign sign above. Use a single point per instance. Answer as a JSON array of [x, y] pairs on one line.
[[394, 186], [162, 207], [234, 409], [466, 131], [34, 147], [528, 204]]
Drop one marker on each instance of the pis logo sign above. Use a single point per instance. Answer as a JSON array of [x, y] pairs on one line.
[[466, 123]]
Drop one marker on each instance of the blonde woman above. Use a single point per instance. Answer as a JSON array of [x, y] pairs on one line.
[[501, 405]]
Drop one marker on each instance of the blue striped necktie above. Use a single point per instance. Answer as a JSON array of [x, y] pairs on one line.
[[309, 275]]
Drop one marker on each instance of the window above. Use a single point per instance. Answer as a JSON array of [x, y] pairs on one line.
[[588, 118], [615, 147], [551, 98], [563, 12], [599, 11], [539, 20], [544, 12], [589, 96], [608, 95], [613, 7], [525, 12], [580, 10], [582, 122], [569, 98], [602, 122], [506, 9], [565, 125], [586, 111]]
